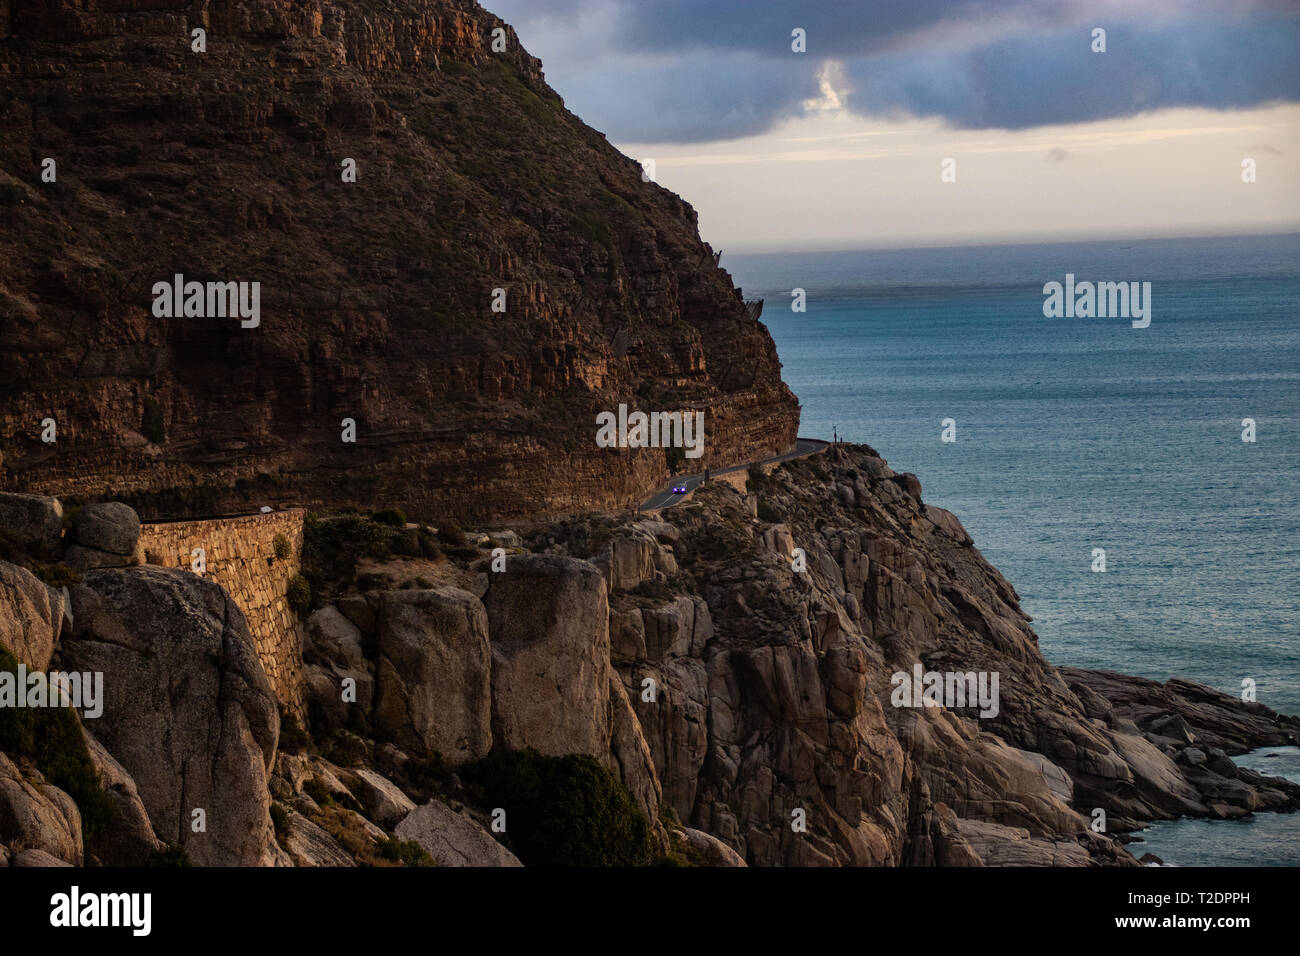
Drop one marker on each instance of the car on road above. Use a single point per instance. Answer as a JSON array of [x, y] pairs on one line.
[[679, 489]]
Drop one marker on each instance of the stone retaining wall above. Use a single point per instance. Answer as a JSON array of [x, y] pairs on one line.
[[240, 556]]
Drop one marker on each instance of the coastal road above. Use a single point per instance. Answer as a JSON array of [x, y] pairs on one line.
[[667, 498]]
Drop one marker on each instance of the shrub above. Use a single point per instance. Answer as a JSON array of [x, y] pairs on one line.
[[317, 790], [346, 749], [299, 593], [766, 512], [393, 517], [451, 533], [56, 575], [331, 547], [421, 777], [563, 811], [280, 544], [429, 544], [282, 824], [405, 852]]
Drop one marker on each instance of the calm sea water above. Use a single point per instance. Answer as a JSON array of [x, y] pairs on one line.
[[1075, 434]]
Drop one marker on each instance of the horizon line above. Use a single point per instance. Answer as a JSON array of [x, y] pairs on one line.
[[764, 247]]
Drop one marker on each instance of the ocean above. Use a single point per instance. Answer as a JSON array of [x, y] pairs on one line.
[[1078, 434]]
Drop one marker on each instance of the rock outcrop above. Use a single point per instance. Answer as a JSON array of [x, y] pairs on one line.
[[227, 166], [188, 710], [453, 838], [763, 686], [548, 624], [36, 816], [432, 676], [106, 535], [31, 616]]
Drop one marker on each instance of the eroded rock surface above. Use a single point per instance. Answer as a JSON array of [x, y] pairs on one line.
[[188, 711]]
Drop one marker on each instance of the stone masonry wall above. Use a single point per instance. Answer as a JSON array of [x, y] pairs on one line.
[[240, 556]]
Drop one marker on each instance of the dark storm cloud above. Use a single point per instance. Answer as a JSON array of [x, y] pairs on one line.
[[686, 70], [1048, 79]]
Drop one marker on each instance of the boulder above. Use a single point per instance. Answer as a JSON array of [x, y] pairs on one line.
[[714, 851], [629, 560], [32, 521], [107, 535], [309, 845], [38, 858], [910, 484], [108, 526], [332, 652], [360, 612], [80, 558], [384, 801], [188, 711], [30, 616], [433, 676], [453, 839], [37, 815], [549, 626]]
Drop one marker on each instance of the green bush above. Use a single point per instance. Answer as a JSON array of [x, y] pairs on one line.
[[332, 545], [563, 811], [280, 544], [51, 738], [299, 593], [317, 790], [406, 852], [393, 517]]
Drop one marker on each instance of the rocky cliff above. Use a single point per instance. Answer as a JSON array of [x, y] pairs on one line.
[[376, 295], [717, 685]]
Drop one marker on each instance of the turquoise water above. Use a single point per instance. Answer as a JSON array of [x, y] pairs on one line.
[[1083, 433]]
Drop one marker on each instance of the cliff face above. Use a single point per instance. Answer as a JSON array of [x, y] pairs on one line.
[[774, 671], [732, 664], [376, 295]]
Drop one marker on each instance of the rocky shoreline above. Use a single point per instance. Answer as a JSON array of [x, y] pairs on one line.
[[715, 681]]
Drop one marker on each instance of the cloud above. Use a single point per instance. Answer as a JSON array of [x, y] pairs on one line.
[[1055, 78], [686, 71], [1057, 155]]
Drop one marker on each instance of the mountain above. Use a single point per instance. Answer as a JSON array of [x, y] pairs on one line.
[[375, 296]]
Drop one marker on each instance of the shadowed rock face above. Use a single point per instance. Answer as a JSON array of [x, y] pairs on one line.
[[432, 676], [375, 296], [187, 712]]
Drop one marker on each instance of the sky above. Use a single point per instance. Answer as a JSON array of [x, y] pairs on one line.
[[846, 145]]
